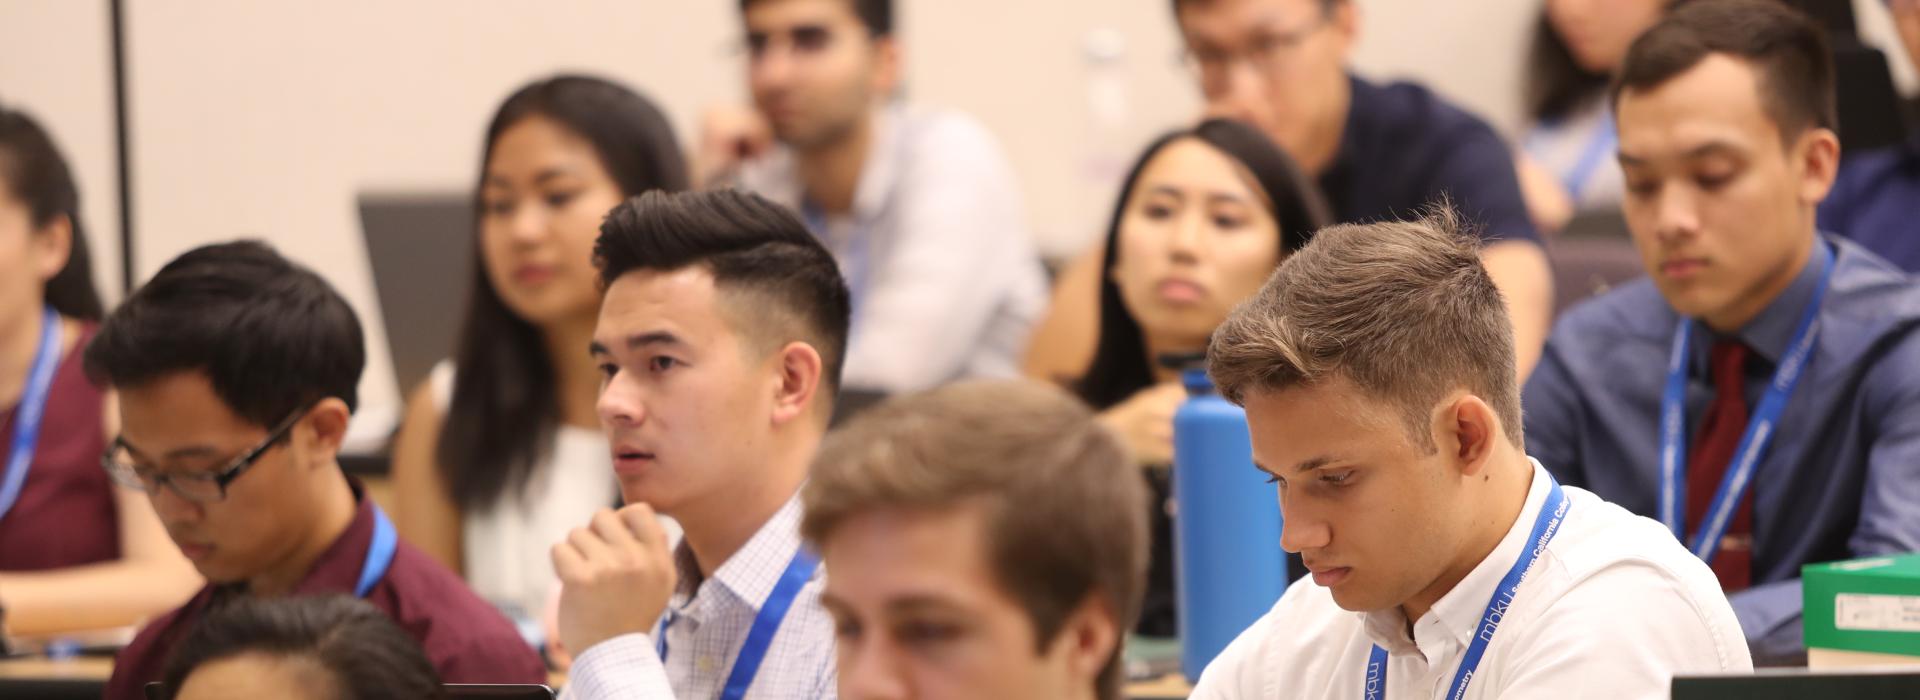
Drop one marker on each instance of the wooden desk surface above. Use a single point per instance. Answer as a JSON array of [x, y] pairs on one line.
[[1172, 686], [79, 668]]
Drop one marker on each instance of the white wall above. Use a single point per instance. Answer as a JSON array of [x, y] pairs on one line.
[[267, 119], [56, 63]]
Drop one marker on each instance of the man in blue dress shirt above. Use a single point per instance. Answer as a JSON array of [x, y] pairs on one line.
[[1760, 393]]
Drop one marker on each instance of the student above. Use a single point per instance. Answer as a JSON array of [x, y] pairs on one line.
[[980, 546], [300, 648], [1566, 163], [1378, 152], [492, 466], [1376, 368], [1203, 218], [918, 205], [236, 372], [719, 345], [1875, 195], [69, 540], [1750, 322]]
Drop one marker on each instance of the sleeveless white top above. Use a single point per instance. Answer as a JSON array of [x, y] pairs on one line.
[[507, 546]]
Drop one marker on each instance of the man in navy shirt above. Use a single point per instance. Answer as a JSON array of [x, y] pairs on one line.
[[1875, 200], [1760, 392], [1381, 152]]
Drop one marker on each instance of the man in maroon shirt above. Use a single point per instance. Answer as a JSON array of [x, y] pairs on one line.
[[236, 372]]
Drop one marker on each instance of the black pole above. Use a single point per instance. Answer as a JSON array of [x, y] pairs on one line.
[[117, 19]]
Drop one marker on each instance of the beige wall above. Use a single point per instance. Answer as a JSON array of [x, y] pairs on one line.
[[266, 119], [55, 63]]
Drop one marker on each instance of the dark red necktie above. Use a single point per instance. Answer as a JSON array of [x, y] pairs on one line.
[[1713, 453]]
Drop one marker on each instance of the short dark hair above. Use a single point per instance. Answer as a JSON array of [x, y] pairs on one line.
[[271, 336], [504, 413], [1789, 51], [751, 246], [1402, 309], [877, 15], [36, 174], [368, 656], [1062, 521]]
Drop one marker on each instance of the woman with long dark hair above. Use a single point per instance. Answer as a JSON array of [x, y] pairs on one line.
[[70, 542], [1204, 217], [1566, 159], [500, 453]]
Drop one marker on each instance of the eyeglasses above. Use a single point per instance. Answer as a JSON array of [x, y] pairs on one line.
[[203, 487], [1267, 54]]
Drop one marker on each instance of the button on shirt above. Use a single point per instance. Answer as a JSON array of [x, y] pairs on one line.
[[1842, 476], [1613, 609], [936, 251], [710, 625]]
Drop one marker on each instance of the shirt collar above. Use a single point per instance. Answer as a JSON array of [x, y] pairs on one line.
[[338, 569], [776, 177], [1769, 333], [751, 573], [1456, 616]]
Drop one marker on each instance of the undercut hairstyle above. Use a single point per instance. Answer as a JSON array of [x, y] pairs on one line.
[[1403, 310], [34, 173], [1061, 523], [504, 411], [364, 655], [1787, 50], [786, 286], [876, 15], [271, 336]]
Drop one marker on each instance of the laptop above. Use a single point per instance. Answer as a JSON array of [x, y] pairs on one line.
[[421, 249], [1800, 683]]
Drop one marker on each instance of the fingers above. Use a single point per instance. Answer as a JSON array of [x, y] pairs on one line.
[[612, 530], [643, 524], [568, 563]]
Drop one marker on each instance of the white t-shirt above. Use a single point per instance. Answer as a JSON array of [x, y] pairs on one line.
[[1613, 609], [507, 547]]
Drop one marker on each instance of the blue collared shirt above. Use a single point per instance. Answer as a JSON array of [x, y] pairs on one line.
[[1876, 202], [1842, 477]]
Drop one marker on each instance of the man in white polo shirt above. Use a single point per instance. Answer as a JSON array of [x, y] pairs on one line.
[[1377, 371]]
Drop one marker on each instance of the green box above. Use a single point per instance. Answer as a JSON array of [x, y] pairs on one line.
[[1870, 605]]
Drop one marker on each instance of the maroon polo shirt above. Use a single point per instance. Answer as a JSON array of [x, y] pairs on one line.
[[66, 515], [465, 637]]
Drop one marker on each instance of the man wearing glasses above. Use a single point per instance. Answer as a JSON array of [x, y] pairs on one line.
[[236, 373], [918, 206], [1381, 152]]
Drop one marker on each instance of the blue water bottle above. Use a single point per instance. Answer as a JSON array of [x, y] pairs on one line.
[[1228, 565]]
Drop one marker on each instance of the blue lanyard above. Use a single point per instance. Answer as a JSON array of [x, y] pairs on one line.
[[1552, 513], [760, 636], [858, 263], [1599, 147], [379, 553], [33, 406], [1753, 443]]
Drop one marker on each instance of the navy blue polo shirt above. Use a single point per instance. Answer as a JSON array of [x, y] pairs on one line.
[[1405, 147], [1876, 202]]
